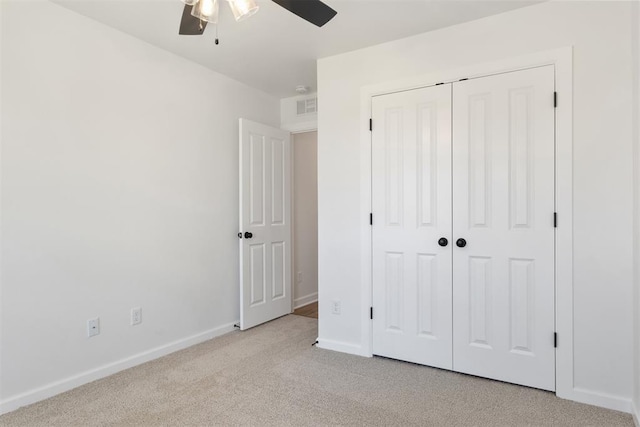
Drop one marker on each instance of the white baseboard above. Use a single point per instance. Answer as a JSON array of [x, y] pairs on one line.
[[636, 414], [603, 400], [589, 397], [342, 347], [305, 300], [52, 389]]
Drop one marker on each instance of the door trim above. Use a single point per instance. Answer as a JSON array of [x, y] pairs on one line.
[[562, 60], [307, 299]]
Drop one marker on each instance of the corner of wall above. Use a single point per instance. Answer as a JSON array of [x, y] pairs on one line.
[[1, 127], [636, 211], [342, 347]]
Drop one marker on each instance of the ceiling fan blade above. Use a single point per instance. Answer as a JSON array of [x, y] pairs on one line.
[[313, 11], [190, 25]]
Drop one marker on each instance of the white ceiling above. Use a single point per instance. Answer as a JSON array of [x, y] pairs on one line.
[[275, 50]]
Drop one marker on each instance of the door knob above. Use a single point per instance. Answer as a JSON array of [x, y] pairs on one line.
[[248, 235], [443, 242], [461, 243]]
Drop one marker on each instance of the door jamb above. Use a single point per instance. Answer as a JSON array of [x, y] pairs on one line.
[[294, 279], [562, 60]]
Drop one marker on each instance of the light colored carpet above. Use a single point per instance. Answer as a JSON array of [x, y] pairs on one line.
[[271, 375]]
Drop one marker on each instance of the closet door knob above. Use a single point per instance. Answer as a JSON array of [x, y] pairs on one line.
[[443, 242], [461, 243], [248, 235]]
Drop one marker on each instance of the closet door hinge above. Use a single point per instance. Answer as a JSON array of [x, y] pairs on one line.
[[370, 125], [370, 219], [555, 99], [371, 313], [555, 220], [555, 340]]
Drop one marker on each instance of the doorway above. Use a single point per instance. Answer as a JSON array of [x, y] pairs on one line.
[[305, 223], [279, 224]]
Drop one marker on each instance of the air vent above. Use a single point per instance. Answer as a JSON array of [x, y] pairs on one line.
[[307, 106]]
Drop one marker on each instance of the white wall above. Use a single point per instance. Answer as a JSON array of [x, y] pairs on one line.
[[636, 180], [600, 33], [119, 189], [305, 213], [293, 122], [1, 127]]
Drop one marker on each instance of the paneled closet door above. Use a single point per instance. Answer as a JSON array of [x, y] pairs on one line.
[[503, 202], [411, 196]]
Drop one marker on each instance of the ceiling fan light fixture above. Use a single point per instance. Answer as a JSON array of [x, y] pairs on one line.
[[206, 10], [243, 9]]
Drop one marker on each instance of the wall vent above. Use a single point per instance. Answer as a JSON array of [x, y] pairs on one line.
[[307, 106]]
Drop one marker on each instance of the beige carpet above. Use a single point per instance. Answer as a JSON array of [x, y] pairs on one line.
[[271, 375]]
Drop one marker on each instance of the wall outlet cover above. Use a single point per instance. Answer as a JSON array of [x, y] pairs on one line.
[[336, 307], [93, 327], [136, 316]]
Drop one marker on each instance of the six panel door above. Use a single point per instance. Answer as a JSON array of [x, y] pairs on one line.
[[265, 220], [411, 161], [503, 180]]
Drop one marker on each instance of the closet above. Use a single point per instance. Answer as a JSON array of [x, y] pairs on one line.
[[463, 234]]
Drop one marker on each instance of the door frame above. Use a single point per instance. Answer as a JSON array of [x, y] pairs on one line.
[[298, 130], [562, 60]]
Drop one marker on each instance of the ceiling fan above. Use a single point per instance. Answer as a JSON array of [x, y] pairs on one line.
[[197, 13]]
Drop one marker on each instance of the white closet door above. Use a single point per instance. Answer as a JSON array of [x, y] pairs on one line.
[[265, 220], [503, 199], [411, 167]]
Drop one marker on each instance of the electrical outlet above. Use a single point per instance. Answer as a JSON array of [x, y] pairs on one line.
[[93, 327], [336, 307], [136, 316], [299, 276]]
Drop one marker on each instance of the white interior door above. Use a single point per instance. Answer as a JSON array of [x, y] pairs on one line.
[[265, 223], [411, 197], [503, 181]]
